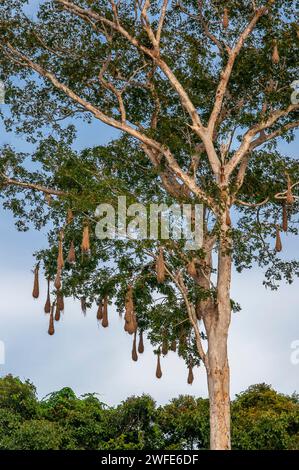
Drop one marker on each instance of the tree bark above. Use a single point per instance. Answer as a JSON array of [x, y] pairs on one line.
[[219, 388], [217, 320]]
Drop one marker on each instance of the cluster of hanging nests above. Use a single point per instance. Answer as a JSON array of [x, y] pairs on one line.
[[131, 325], [55, 308]]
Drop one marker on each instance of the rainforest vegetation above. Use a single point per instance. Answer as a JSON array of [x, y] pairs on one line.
[[261, 419]]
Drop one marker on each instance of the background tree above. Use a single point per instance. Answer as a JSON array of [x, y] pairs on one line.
[[185, 423], [200, 92], [133, 425], [265, 419], [262, 419], [85, 419]]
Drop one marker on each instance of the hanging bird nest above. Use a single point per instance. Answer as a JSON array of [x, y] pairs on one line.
[[190, 375], [225, 19], [134, 349], [105, 322], [158, 369], [165, 345], [284, 217], [100, 310], [278, 244], [60, 260], [83, 305], [51, 329], [141, 344], [60, 301], [57, 282], [35, 290], [275, 54], [47, 307], [69, 217], [130, 316], [85, 245], [72, 254], [160, 266]]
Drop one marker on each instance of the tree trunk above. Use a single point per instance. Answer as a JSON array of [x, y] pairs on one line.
[[216, 315], [218, 385], [217, 321]]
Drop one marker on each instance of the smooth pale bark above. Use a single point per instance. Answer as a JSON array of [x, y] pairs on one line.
[[216, 317], [218, 367], [219, 386]]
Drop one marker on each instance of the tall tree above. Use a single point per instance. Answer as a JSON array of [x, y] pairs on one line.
[[200, 91]]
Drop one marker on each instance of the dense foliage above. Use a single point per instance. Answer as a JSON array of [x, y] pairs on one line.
[[262, 419]]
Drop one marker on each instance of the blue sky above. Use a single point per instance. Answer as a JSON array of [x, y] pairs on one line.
[[89, 358]]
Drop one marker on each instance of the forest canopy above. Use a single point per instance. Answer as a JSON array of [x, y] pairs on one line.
[[261, 419]]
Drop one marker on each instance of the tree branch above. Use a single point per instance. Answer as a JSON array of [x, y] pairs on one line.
[[246, 144], [123, 126], [209, 35], [178, 173], [161, 21], [192, 315], [249, 204], [226, 73], [278, 133], [197, 125], [36, 187]]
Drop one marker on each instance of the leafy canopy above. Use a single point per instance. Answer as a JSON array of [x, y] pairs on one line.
[[262, 419]]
